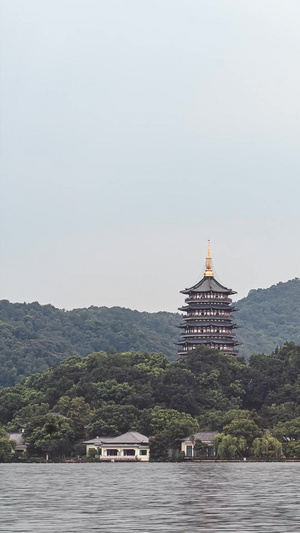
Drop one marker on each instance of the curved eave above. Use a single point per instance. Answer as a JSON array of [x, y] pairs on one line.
[[208, 300], [201, 306], [182, 353], [201, 324], [218, 336], [207, 284], [208, 341]]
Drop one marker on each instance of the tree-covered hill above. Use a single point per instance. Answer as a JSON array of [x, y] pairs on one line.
[[269, 318], [109, 394], [35, 337]]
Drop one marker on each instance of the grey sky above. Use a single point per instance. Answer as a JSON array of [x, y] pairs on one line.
[[133, 131]]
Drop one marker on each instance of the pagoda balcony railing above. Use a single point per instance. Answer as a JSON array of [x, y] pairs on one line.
[[207, 300], [215, 317], [209, 307], [207, 317], [182, 355], [205, 295], [216, 336], [207, 333], [226, 324], [224, 349]]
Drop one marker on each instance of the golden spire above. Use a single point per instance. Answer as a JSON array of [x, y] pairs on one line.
[[208, 270]]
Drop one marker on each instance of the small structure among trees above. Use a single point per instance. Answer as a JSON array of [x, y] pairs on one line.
[[20, 443], [201, 444]]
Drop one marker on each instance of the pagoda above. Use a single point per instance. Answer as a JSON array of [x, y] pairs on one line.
[[208, 316]]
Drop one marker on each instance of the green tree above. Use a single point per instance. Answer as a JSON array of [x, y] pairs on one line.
[[26, 414], [288, 431], [272, 414], [74, 408], [112, 420], [176, 390], [200, 448], [178, 425], [159, 447], [292, 449], [50, 434], [6, 447], [112, 391], [10, 402], [244, 429], [167, 426], [229, 447], [215, 420], [267, 446]]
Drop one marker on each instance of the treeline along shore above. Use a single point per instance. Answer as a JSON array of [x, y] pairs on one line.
[[254, 407]]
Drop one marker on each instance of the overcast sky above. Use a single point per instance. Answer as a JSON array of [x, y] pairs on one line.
[[134, 130]]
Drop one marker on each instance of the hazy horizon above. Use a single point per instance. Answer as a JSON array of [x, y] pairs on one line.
[[131, 133], [235, 298]]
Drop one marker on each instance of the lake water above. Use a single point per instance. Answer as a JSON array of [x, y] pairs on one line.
[[170, 497]]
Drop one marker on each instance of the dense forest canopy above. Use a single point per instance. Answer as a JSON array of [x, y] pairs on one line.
[[34, 337], [269, 318], [108, 394]]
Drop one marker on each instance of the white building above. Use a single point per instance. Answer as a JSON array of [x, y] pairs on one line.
[[131, 446]]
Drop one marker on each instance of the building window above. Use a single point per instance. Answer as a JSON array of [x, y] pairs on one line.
[[143, 452], [189, 451], [128, 452], [111, 452]]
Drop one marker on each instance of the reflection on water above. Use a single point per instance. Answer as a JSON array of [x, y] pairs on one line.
[[69, 498]]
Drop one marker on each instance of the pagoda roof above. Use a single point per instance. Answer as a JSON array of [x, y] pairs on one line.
[[206, 324], [205, 340], [207, 284], [208, 305]]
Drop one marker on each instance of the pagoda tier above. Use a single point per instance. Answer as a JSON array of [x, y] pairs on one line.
[[208, 319], [208, 305], [205, 324]]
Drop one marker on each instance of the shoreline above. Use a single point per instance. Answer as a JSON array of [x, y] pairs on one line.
[[202, 461]]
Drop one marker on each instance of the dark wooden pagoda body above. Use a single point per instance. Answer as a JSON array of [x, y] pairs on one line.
[[208, 317]]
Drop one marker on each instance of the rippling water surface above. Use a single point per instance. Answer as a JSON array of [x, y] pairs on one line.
[[69, 498]]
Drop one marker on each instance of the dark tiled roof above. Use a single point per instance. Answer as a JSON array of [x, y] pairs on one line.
[[200, 323], [204, 436], [19, 439], [216, 306], [131, 437], [207, 284], [207, 339], [98, 441]]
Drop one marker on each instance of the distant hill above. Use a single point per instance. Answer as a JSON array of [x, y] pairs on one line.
[[269, 317], [35, 337]]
